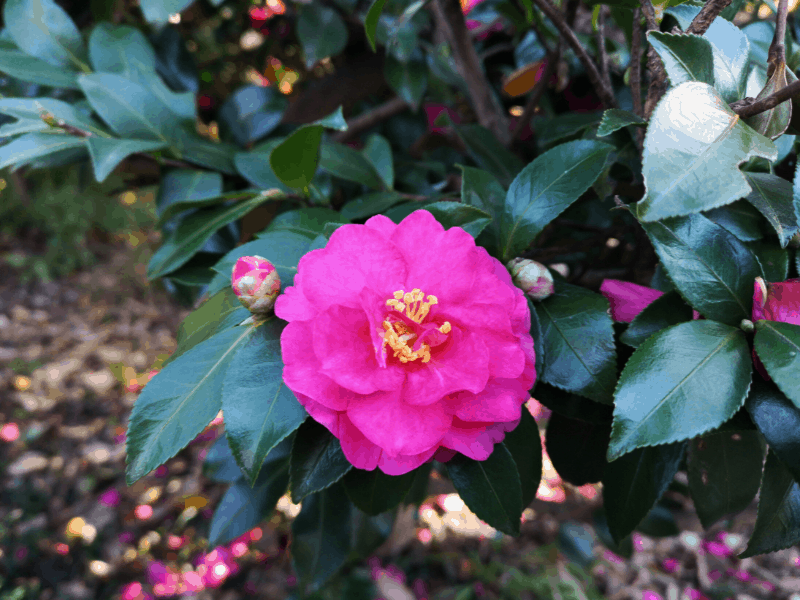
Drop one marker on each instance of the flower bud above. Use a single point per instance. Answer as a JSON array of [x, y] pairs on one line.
[[256, 283], [777, 301], [531, 277]]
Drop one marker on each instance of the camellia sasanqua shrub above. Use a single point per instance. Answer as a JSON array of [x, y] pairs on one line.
[[371, 280]]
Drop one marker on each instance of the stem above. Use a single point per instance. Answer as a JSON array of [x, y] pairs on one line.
[[750, 107], [706, 16], [602, 55], [658, 75], [636, 62], [371, 118]]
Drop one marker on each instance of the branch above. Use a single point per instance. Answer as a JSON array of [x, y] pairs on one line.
[[636, 62], [750, 106], [602, 56], [489, 111], [658, 75], [606, 95], [706, 16], [371, 118]]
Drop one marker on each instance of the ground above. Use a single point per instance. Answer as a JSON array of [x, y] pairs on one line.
[[73, 355]]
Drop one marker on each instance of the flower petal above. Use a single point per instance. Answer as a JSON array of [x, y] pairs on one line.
[[362, 453], [500, 401], [627, 299], [292, 305], [476, 442], [400, 465]]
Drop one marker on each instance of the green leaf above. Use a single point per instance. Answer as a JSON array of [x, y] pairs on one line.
[[107, 153], [120, 49], [218, 156], [219, 464], [773, 123], [779, 422], [374, 491], [344, 162], [409, 80], [615, 119], [251, 113], [578, 342], [778, 519], [321, 536], [772, 196], [335, 120], [36, 145], [525, 447], [22, 126], [481, 189], [740, 218], [317, 460], [547, 187], [633, 483], [179, 402], [129, 109], [321, 32], [307, 221], [254, 166], [691, 158], [778, 347], [158, 11], [454, 214], [686, 57], [35, 108], [379, 154], [294, 160], [369, 204], [259, 409], [488, 153], [711, 269], [20, 66], [192, 232], [243, 507], [668, 310], [571, 405], [491, 488], [550, 130], [577, 448], [221, 311], [724, 473], [181, 186], [666, 395], [43, 29], [371, 21]]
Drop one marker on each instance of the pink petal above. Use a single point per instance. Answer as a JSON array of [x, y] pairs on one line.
[[782, 302], [627, 299], [400, 465], [382, 224], [292, 305], [498, 402], [362, 453], [476, 442], [398, 427]]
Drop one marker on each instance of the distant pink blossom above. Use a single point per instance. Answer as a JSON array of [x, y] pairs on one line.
[[670, 565], [111, 497], [9, 432], [433, 110], [650, 595]]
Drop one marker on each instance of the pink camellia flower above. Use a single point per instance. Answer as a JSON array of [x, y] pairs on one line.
[[627, 299], [256, 283], [531, 277], [775, 302], [433, 110], [407, 342]]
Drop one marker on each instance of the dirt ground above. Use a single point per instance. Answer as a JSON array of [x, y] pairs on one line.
[[73, 355]]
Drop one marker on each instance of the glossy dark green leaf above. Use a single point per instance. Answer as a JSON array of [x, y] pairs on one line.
[[779, 422], [221, 311], [615, 119], [724, 473], [401, 211], [243, 507], [218, 156], [159, 11], [378, 152], [680, 383], [251, 113], [409, 80], [371, 21], [419, 488], [187, 185], [778, 519], [19, 65], [179, 402], [374, 491], [254, 166], [778, 347], [740, 218], [120, 49], [489, 154], [220, 465], [294, 161], [35, 108], [197, 272], [107, 153], [773, 259], [43, 29], [536, 334], [192, 232], [550, 130], [686, 57], [547, 187], [659, 522], [344, 162], [571, 405], [633, 483], [317, 460], [490, 488], [454, 214], [369, 204], [710, 267], [578, 342], [36, 145], [259, 409], [773, 122], [321, 32], [526, 449], [308, 221], [624, 548], [481, 189], [335, 120], [772, 196], [668, 310], [686, 172], [577, 448]]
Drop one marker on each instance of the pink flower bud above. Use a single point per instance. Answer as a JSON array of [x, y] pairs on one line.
[[777, 301], [531, 277], [256, 283]]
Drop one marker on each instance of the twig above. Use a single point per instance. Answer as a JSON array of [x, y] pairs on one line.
[[706, 16], [750, 106], [490, 114], [636, 62], [552, 13], [602, 55], [371, 118], [536, 94], [658, 75], [777, 50]]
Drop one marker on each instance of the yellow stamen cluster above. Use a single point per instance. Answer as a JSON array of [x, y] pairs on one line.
[[399, 336]]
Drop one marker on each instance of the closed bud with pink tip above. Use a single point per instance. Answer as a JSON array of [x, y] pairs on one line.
[[531, 277], [256, 283]]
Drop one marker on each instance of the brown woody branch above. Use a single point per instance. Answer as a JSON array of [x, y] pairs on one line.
[[602, 55], [706, 16], [371, 118], [658, 75], [749, 107]]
